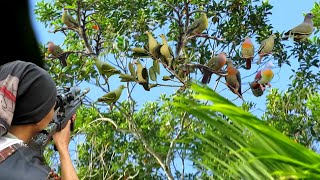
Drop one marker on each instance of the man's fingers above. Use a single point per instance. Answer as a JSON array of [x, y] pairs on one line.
[[68, 123], [73, 118]]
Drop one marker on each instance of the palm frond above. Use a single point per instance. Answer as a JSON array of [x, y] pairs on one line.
[[244, 147]]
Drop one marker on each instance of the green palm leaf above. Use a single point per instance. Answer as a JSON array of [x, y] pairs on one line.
[[244, 147]]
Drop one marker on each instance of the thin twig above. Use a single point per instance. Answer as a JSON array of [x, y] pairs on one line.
[[217, 82], [235, 92], [133, 176], [173, 141], [172, 18], [206, 36], [168, 85], [172, 7], [203, 67], [146, 145]]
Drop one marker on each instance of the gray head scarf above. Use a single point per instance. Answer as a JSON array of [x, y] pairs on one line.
[[27, 94]]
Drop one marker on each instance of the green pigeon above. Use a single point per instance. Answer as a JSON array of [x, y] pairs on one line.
[[247, 51], [266, 47], [127, 78], [233, 78], [198, 25], [69, 20], [264, 76], [140, 52], [142, 75], [57, 52], [215, 63], [153, 45], [106, 68], [166, 51], [302, 31], [111, 97]]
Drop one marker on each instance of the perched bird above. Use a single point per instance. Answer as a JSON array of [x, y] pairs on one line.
[[256, 89], [142, 75], [57, 52], [264, 76], [126, 78], [112, 97], [233, 79], [198, 25], [140, 52], [302, 31], [153, 45], [215, 63], [106, 68], [166, 51], [247, 51], [266, 47], [69, 20]]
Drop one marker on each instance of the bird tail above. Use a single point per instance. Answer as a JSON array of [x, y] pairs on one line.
[[248, 63], [63, 59], [146, 86], [256, 89], [206, 77], [286, 35]]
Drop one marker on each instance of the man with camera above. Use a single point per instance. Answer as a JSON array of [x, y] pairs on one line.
[[27, 103]]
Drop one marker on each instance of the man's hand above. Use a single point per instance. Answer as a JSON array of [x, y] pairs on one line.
[[62, 138]]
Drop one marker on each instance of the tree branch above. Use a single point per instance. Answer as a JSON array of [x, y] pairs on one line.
[[126, 131], [180, 35], [217, 82], [206, 36], [173, 141], [82, 30], [171, 17], [172, 7], [234, 90], [168, 85], [205, 68], [147, 146]]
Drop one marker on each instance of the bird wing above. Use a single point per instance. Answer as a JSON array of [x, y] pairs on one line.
[[194, 26], [108, 97], [106, 67], [263, 44], [302, 29], [72, 20], [145, 74], [239, 81], [258, 76], [171, 52], [58, 50]]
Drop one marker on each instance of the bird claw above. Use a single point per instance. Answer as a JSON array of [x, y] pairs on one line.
[[106, 80]]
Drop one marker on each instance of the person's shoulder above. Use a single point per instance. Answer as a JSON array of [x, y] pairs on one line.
[[18, 63], [24, 164]]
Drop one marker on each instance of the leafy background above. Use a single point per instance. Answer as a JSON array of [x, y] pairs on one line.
[[153, 135]]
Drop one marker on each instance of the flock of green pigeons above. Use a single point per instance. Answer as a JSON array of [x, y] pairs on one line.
[[161, 53]]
